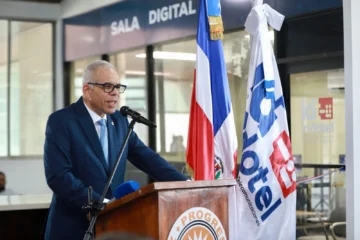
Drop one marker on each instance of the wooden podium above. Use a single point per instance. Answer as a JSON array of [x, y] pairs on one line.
[[155, 210]]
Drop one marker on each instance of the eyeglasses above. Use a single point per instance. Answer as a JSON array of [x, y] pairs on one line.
[[109, 87]]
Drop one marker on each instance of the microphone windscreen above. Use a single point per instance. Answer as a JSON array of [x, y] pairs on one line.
[[124, 110], [125, 189]]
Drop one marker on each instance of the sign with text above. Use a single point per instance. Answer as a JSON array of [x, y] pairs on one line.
[[317, 116], [197, 223], [134, 23]]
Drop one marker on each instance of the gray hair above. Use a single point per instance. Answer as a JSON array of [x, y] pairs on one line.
[[91, 68]]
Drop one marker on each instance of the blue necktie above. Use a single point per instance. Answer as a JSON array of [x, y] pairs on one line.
[[104, 139]]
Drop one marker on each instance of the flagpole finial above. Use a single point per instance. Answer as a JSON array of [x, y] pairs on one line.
[[255, 3]]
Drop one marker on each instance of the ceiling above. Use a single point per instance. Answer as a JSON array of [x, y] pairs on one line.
[[39, 1]]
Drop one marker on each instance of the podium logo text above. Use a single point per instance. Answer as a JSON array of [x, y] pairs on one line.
[[197, 223]]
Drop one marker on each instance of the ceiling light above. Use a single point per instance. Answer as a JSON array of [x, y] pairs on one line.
[[171, 56], [143, 73]]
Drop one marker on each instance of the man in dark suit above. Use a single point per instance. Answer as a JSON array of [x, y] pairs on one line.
[[82, 144]]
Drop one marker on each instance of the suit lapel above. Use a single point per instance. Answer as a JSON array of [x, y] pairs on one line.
[[90, 131]]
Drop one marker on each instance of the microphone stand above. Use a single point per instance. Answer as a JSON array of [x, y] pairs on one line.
[[95, 207]]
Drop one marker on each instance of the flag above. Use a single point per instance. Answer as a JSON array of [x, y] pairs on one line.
[[266, 197], [212, 143]]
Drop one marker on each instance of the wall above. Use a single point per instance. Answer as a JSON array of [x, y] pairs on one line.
[[352, 116], [25, 176]]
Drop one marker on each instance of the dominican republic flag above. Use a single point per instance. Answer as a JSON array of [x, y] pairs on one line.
[[212, 143], [267, 182]]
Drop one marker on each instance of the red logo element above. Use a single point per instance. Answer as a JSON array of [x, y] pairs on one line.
[[283, 164], [326, 108]]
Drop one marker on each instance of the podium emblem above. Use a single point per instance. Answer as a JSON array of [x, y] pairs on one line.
[[197, 224]]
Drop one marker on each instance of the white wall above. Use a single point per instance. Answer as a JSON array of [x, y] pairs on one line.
[[25, 176], [351, 15]]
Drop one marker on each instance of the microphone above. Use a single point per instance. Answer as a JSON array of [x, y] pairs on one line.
[[125, 188], [126, 111]]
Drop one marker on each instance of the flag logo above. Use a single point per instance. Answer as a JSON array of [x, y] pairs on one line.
[[219, 168], [267, 176], [283, 165]]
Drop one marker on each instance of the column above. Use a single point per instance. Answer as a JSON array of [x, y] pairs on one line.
[[351, 10]]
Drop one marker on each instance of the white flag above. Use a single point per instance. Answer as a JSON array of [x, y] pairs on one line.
[[266, 195]]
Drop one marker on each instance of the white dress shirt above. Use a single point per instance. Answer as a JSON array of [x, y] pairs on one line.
[[95, 118]]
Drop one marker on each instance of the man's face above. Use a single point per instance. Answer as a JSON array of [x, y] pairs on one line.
[[98, 100], [2, 181]]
